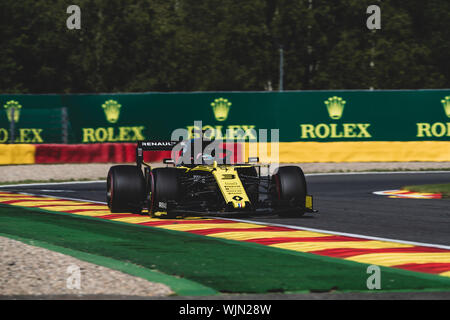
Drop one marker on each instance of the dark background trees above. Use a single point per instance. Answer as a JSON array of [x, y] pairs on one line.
[[191, 45]]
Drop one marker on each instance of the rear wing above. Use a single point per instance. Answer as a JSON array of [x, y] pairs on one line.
[[232, 151], [142, 146]]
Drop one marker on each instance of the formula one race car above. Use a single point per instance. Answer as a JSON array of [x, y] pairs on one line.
[[199, 183]]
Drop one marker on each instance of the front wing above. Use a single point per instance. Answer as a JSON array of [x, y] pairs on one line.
[[177, 209]]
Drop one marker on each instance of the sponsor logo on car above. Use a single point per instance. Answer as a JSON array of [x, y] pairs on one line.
[[159, 143], [163, 205], [228, 176]]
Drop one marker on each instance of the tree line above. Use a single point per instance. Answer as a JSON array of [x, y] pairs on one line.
[[222, 45]]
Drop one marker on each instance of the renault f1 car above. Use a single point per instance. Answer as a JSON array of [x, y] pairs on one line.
[[200, 185]]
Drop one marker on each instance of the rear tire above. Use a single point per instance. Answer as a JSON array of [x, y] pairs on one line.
[[125, 187], [164, 187], [290, 185]]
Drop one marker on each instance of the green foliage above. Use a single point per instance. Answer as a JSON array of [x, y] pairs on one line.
[[191, 45]]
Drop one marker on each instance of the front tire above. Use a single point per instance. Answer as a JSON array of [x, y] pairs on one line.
[[164, 188], [289, 186], [125, 187]]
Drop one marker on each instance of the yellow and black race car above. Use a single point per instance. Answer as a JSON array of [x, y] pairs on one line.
[[201, 183]]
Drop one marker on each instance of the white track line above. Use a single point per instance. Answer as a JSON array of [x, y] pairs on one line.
[[370, 172], [62, 198], [441, 246], [49, 183]]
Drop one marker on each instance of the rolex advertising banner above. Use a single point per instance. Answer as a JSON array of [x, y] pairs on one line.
[[308, 116], [321, 116], [31, 118], [131, 117], [365, 116]]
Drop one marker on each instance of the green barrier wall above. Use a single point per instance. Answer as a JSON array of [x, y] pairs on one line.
[[324, 116]]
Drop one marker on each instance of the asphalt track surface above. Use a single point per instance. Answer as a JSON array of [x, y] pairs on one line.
[[346, 204]]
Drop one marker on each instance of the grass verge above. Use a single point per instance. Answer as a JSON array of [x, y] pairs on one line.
[[380, 170], [222, 265], [178, 285]]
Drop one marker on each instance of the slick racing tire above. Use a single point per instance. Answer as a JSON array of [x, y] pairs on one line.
[[125, 187], [290, 186], [164, 188]]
